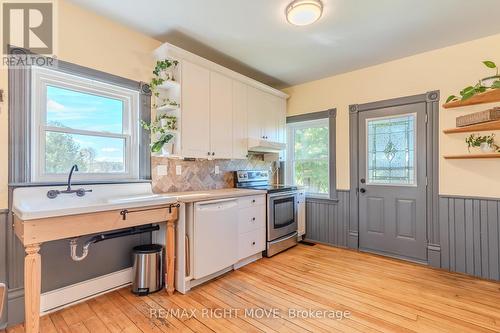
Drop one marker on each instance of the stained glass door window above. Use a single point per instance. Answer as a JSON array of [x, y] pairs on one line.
[[391, 150]]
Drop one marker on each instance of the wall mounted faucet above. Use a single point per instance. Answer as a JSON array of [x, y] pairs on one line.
[[52, 194]]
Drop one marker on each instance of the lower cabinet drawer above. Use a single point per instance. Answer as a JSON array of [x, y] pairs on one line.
[[251, 218], [252, 201], [251, 243]]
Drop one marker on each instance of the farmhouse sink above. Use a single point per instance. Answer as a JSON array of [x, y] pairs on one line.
[[32, 202]]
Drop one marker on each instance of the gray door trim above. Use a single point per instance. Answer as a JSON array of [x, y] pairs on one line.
[[431, 99], [331, 114]]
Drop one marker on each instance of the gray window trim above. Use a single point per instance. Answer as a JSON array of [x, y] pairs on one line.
[[431, 99], [19, 81], [331, 114]]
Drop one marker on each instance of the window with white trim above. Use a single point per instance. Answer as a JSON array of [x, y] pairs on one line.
[[85, 122], [308, 162]]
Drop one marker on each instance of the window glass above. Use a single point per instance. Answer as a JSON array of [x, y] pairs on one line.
[[309, 156], [391, 150], [92, 154], [79, 110], [85, 122]]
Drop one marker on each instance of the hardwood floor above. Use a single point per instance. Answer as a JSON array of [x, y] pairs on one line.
[[380, 294]]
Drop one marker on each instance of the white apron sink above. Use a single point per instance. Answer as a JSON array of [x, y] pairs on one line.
[[31, 203]]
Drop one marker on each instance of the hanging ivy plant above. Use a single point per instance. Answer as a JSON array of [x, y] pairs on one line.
[[160, 74], [480, 87]]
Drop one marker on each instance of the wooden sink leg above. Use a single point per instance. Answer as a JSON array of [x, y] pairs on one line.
[[32, 288], [170, 254]]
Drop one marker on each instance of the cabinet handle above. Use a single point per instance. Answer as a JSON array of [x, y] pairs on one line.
[[213, 154], [253, 218], [208, 153], [253, 201], [253, 243]]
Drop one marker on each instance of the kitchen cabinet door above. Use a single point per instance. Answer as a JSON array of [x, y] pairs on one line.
[[256, 113], [270, 117], [195, 110], [221, 116], [281, 121], [240, 122]]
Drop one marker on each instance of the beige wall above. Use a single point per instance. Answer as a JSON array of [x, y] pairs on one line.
[[448, 70], [93, 41]]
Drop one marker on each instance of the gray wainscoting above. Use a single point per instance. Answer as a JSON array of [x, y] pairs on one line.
[[3, 259], [470, 235], [327, 221]]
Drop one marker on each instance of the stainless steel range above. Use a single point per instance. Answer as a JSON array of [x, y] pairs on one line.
[[281, 209]]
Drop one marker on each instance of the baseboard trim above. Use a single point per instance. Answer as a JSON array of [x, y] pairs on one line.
[[63, 297]]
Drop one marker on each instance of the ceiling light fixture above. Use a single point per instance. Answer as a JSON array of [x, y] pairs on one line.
[[304, 12]]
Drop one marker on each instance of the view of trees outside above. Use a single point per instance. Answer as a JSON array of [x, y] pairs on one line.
[[311, 159], [63, 150]]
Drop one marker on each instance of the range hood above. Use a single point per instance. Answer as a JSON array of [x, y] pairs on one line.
[[265, 146]]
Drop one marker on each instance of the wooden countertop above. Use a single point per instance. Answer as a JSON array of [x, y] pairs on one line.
[[195, 196]]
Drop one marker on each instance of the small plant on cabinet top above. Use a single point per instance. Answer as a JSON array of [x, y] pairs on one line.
[[487, 83], [486, 142], [161, 73]]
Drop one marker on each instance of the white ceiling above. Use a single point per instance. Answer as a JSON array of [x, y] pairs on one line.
[[253, 37]]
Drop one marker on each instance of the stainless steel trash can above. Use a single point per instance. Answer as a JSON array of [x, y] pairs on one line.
[[148, 269]]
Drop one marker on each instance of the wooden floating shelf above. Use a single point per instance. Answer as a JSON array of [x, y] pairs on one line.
[[490, 96], [489, 126], [472, 156]]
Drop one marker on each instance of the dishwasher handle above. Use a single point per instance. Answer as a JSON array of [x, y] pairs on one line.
[[216, 204]]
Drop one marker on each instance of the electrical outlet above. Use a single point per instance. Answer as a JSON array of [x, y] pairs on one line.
[[162, 170], [178, 170], [217, 171]]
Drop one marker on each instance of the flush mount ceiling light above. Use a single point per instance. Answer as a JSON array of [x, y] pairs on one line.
[[304, 12]]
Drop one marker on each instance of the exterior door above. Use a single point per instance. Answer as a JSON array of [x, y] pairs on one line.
[[392, 184]]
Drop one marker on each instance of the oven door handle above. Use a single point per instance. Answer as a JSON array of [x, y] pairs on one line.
[[282, 195]]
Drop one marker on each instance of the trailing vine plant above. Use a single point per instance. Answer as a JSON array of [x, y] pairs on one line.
[[474, 140], [161, 67], [480, 87]]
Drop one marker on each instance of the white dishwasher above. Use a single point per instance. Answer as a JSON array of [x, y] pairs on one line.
[[215, 236]]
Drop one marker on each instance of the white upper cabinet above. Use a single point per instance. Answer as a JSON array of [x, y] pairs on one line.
[[255, 113], [240, 121], [195, 124], [221, 116], [221, 109], [266, 116]]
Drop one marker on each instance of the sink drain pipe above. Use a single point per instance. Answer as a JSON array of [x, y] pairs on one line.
[[73, 243]]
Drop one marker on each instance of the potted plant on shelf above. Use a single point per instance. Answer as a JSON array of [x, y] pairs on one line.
[[161, 130], [486, 143], [166, 102], [162, 72], [485, 84]]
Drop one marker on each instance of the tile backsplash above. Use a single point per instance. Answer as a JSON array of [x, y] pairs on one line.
[[200, 174]]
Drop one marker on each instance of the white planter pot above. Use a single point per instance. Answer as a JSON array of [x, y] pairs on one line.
[[167, 149], [487, 148]]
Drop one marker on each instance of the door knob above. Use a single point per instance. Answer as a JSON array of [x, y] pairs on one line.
[[363, 180], [362, 190]]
